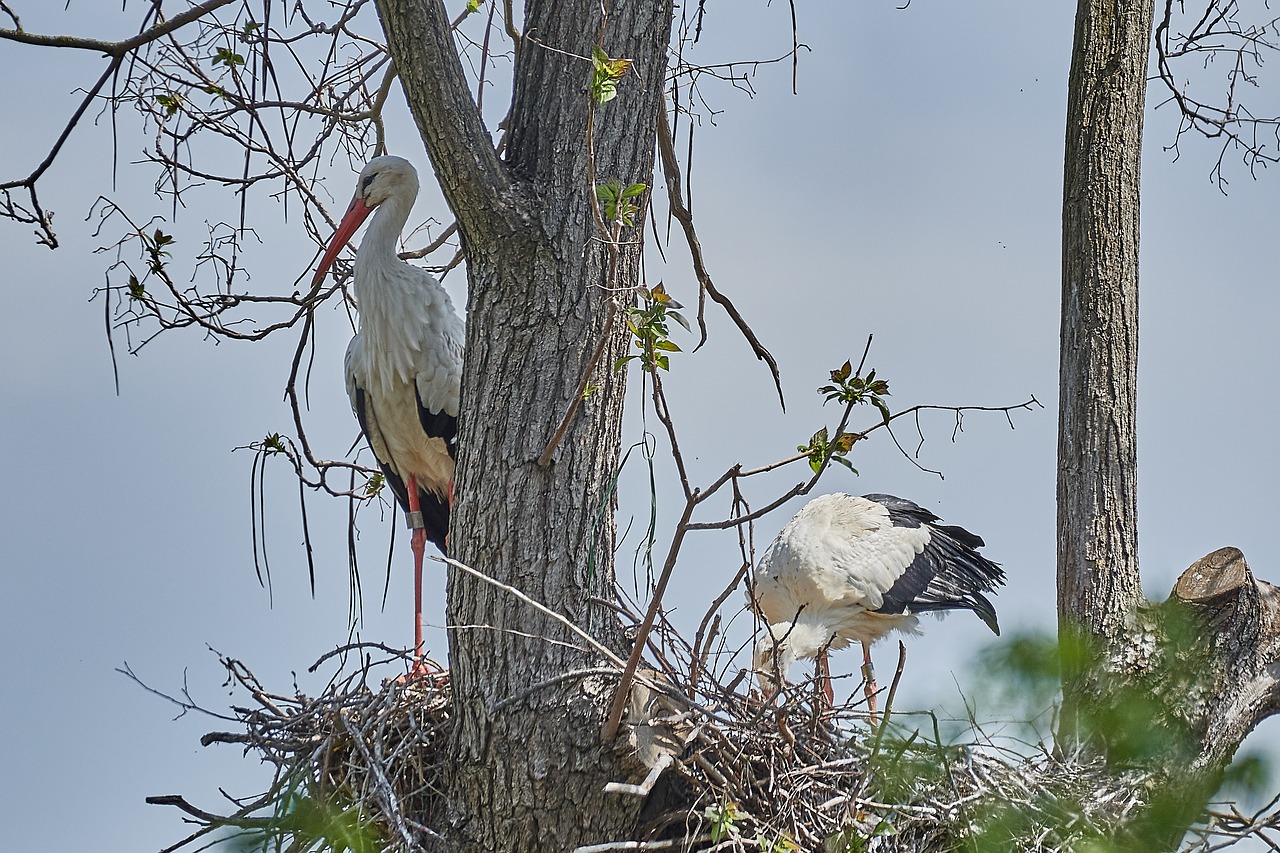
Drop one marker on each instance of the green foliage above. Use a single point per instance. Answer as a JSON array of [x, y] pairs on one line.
[[1133, 723], [617, 204], [272, 444], [154, 247], [226, 56], [374, 484], [1021, 675], [605, 74], [820, 447], [727, 822], [1249, 776], [852, 389], [304, 822], [473, 6], [905, 763], [647, 323], [169, 103], [853, 840], [723, 818]]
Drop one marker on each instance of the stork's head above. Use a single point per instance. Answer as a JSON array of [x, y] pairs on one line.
[[382, 179], [784, 643]]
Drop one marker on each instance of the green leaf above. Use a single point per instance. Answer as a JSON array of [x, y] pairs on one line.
[[634, 190], [226, 56], [669, 346], [842, 373], [605, 74], [169, 103], [609, 191]]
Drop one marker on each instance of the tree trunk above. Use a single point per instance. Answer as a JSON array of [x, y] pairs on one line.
[[1098, 581], [1189, 679], [529, 768]]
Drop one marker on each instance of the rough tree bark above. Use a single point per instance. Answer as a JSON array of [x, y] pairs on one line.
[[529, 770], [1098, 581], [1217, 690]]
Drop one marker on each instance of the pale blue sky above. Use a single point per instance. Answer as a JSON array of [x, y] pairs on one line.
[[911, 189]]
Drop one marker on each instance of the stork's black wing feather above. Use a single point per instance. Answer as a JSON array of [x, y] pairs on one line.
[[441, 425], [435, 512], [949, 574]]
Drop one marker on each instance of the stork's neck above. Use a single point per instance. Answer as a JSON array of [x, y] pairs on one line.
[[377, 252]]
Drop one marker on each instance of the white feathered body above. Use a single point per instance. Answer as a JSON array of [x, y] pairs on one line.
[[410, 340], [831, 565], [404, 365], [851, 569]]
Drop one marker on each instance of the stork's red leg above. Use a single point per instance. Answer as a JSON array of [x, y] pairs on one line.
[[869, 677], [419, 544], [824, 681]]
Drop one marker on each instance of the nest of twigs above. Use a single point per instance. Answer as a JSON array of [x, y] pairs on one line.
[[360, 768]]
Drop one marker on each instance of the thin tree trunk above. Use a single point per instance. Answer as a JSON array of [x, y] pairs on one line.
[[528, 768], [1203, 664], [1098, 582]]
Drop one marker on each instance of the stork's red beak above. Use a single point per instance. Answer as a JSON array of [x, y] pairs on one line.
[[351, 220]]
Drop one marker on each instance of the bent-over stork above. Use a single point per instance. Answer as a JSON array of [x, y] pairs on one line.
[[848, 568], [404, 365]]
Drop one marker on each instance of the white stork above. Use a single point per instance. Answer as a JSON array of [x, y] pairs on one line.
[[404, 365], [849, 568]]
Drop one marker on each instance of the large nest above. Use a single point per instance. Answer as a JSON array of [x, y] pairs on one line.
[[361, 767]]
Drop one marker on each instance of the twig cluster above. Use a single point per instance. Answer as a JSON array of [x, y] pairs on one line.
[[357, 765], [364, 764], [1220, 36]]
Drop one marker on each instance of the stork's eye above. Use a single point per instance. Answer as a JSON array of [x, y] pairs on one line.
[[364, 185]]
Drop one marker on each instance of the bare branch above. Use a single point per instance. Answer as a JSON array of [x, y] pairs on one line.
[[114, 48], [671, 170]]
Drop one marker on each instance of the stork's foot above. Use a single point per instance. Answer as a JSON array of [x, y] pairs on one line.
[[424, 669]]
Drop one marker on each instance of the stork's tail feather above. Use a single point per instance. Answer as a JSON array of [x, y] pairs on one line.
[[949, 574], [963, 576]]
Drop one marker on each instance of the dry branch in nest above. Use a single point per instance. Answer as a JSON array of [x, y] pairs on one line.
[[362, 767]]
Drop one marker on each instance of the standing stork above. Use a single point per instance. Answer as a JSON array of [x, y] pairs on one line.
[[849, 568], [404, 365]]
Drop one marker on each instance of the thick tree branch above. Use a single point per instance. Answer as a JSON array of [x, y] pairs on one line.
[[1243, 616], [474, 181], [116, 48]]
